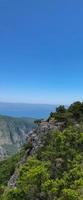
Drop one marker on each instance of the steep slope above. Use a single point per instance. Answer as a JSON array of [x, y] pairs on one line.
[[49, 167], [13, 133]]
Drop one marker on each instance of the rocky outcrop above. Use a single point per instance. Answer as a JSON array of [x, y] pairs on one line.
[[3, 153], [35, 139]]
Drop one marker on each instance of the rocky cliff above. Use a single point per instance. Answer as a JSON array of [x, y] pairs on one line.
[[49, 165], [13, 132]]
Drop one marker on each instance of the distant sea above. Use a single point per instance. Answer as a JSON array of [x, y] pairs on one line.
[[26, 110]]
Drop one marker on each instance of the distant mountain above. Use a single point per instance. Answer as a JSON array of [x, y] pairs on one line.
[[13, 133], [13, 129]]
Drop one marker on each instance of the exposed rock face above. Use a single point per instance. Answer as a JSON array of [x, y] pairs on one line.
[[13, 132], [35, 138], [3, 153]]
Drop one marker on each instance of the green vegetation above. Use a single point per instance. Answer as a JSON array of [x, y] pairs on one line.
[[55, 171], [7, 167], [71, 115]]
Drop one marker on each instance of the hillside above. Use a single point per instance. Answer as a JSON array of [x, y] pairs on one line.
[[48, 167], [13, 132], [52, 171], [70, 116]]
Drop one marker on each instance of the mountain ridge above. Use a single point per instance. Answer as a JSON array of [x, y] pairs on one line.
[[13, 132]]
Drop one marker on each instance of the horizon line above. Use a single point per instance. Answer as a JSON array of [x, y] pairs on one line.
[[50, 104]]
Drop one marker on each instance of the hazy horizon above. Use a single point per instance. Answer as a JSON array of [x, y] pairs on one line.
[[26, 110], [42, 103]]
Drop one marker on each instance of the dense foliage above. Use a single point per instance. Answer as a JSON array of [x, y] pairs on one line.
[[7, 168], [72, 114], [55, 172]]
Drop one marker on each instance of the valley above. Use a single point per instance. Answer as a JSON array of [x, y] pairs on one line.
[[13, 133]]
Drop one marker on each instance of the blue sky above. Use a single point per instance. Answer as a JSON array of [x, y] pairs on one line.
[[41, 51]]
